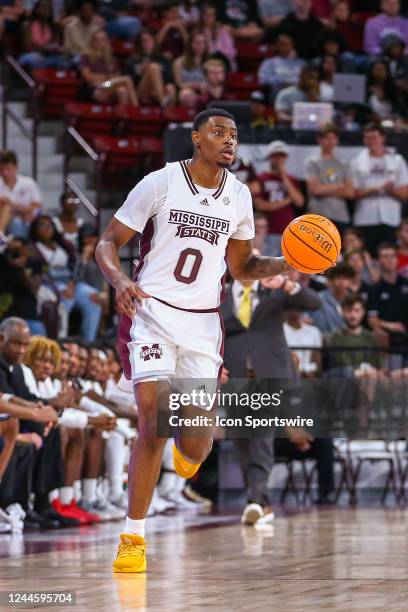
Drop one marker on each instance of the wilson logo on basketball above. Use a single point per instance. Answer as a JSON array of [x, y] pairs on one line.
[[151, 352], [324, 244]]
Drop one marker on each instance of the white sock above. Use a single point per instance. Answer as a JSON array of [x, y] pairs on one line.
[[77, 489], [53, 495], [89, 489], [136, 527], [66, 495], [167, 457], [115, 451]]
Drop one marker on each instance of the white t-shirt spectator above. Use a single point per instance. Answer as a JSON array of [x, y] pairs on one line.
[[24, 192], [306, 336], [368, 171]]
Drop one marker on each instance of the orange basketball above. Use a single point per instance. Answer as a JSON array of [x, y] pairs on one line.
[[311, 243]]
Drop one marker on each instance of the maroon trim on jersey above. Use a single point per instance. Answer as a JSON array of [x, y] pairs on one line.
[[188, 178], [122, 341], [187, 309], [145, 246], [221, 185], [222, 346]]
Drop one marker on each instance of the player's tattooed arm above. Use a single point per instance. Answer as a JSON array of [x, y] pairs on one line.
[[243, 264], [114, 237]]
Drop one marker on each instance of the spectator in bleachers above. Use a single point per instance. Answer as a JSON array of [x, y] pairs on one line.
[[277, 194], [388, 301], [151, 72], [188, 71], [402, 236], [388, 22], [342, 23], [20, 198], [380, 180], [173, 36], [20, 280], [101, 74], [215, 74], [303, 27], [41, 37], [119, 24], [329, 180], [189, 12], [242, 18], [358, 285], [352, 240], [261, 232], [306, 90], [90, 284], [11, 15], [67, 223], [330, 42], [328, 66], [328, 318], [271, 12], [220, 43], [383, 96], [352, 335], [298, 333], [79, 28], [244, 171], [262, 115], [49, 245], [283, 69], [394, 50]]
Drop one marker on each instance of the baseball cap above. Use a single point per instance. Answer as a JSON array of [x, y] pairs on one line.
[[276, 147], [390, 40], [258, 96]]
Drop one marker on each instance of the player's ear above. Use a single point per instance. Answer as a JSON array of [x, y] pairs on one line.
[[195, 137]]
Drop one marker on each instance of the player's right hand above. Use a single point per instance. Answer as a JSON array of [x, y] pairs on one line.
[[127, 293]]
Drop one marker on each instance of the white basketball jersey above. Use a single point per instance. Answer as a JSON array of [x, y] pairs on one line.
[[185, 231]]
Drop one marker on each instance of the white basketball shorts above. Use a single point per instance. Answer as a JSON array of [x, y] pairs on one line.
[[161, 341]]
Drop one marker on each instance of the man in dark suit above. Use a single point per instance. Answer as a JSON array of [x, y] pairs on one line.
[[255, 346], [48, 469]]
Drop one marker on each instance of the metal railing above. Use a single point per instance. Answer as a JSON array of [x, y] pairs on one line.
[[12, 69], [72, 141]]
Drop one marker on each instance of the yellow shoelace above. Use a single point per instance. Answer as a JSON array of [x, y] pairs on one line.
[[128, 548]]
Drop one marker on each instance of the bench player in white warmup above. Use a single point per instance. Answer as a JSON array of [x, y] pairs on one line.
[[194, 217]]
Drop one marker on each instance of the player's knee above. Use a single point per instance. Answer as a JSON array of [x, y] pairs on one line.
[[195, 451]]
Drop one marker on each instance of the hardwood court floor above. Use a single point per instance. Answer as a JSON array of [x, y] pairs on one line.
[[329, 560]]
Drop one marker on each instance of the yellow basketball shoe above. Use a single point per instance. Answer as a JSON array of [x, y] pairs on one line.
[[131, 555], [184, 468]]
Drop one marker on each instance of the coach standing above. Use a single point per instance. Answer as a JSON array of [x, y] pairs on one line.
[[255, 346]]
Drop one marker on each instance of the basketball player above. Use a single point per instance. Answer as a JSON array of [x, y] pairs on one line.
[[193, 215]]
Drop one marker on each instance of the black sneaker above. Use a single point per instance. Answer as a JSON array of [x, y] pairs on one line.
[[30, 523], [43, 521], [62, 520]]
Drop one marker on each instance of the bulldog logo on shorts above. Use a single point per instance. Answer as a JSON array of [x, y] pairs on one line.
[[151, 352]]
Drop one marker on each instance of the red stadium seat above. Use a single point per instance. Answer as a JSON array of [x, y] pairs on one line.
[[91, 120], [56, 89], [144, 120], [250, 54], [179, 114], [122, 49], [142, 154], [239, 85]]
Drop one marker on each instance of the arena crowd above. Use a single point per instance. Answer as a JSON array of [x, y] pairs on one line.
[[66, 428]]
